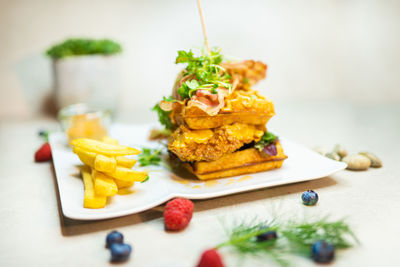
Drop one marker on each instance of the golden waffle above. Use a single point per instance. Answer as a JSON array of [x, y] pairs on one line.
[[240, 162]]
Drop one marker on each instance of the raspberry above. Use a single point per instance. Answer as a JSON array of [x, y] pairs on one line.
[[175, 220], [43, 153], [182, 204], [178, 213], [210, 258]]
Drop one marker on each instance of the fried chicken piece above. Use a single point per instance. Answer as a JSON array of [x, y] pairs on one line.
[[245, 73], [211, 144]]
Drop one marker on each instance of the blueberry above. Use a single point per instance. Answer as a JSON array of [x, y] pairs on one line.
[[120, 252], [114, 237], [322, 252], [309, 198], [267, 236]]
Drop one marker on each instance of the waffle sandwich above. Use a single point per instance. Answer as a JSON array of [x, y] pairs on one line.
[[217, 122]]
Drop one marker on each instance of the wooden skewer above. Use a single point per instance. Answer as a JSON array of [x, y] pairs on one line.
[[204, 27]]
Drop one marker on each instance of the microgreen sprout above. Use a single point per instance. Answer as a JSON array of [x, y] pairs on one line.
[[203, 72]]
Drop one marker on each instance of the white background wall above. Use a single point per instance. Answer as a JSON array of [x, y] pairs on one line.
[[316, 50]]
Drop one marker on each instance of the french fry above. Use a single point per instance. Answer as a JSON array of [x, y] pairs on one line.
[[97, 161], [103, 148], [105, 164], [123, 184], [125, 162], [91, 200], [104, 185], [125, 174], [85, 156], [109, 140], [106, 169]]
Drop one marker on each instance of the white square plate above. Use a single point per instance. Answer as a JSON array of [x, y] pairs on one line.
[[302, 164]]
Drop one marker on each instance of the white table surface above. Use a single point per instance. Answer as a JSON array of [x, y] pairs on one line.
[[33, 231]]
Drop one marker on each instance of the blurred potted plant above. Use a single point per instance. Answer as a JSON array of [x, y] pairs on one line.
[[86, 71]]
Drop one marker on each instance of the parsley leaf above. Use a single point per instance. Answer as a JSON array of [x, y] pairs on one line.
[[168, 99], [184, 56], [150, 157], [184, 90], [193, 84]]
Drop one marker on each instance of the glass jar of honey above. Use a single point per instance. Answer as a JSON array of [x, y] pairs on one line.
[[81, 121]]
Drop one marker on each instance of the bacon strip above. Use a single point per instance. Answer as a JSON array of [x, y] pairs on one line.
[[209, 102]]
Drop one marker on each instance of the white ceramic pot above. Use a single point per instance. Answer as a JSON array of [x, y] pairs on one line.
[[93, 79]]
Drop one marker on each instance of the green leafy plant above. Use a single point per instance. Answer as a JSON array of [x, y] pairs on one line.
[[266, 139], [202, 72], [77, 47], [292, 237]]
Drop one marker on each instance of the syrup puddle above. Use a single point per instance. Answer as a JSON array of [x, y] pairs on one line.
[[196, 187], [244, 178], [178, 179], [211, 183]]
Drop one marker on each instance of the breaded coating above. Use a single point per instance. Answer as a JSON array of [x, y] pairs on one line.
[[211, 144]]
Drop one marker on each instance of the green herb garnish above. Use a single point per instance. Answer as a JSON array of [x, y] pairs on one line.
[[266, 139], [145, 179], [77, 47], [163, 117], [293, 237], [150, 157], [302, 236], [243, 239], [204, 73]]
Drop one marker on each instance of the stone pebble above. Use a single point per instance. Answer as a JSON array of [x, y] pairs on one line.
[[340, 150], [357, 162], [375, 161], [333, 156]]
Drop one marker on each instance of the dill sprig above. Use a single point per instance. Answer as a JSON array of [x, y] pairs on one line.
[[293, 238], [302, 236], [243, 239]]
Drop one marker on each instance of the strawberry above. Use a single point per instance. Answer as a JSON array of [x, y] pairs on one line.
[[43, 153], [210, 258], [182, 204]]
